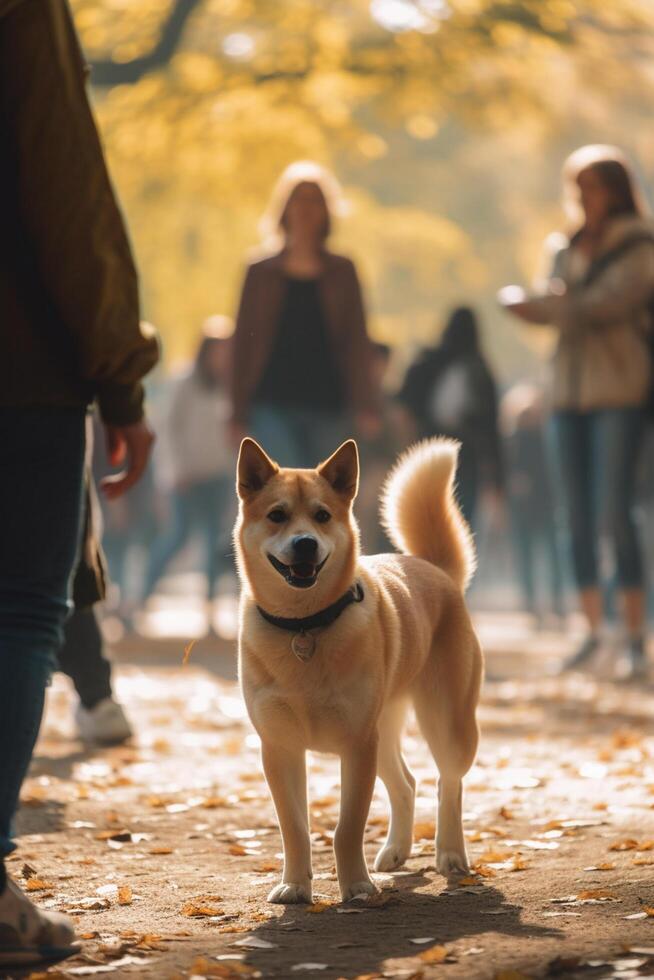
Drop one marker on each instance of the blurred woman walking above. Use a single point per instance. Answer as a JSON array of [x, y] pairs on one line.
[[449, 390], [302, 366], [200, 461], [598, 293]]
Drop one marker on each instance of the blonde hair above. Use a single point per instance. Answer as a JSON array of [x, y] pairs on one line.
[[616, 173], [272, 226]]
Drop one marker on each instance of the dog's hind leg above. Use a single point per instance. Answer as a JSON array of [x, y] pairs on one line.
[[287, 778], [445, 699], [400, 786]]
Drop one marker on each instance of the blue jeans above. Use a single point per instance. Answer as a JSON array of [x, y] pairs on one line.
[[536, 546], [203, 506], [297, 437], [40, 510], [597, 459]]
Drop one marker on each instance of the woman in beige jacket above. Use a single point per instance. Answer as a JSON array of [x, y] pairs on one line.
[[599, 293]]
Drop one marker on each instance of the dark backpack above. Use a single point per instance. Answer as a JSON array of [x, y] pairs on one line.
[[596, 269]]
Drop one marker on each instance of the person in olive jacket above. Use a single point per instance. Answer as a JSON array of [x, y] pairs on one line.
[[70, 334]]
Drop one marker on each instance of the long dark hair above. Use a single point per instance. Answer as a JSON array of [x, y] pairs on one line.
[[616, 174], [460, 338]]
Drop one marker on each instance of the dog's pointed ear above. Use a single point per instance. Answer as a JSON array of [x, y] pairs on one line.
[[341, 470], [253, 470]]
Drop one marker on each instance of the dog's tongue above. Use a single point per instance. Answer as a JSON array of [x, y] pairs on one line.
[[303, 570]]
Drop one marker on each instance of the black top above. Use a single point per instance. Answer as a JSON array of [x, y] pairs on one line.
[[465, 381], [302, 371]]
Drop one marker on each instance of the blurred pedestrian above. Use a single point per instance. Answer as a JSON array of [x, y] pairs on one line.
[[200, 460], [449, 390], [598, 294], [99, 717], [531, 498], [129, 526], [302, 372], [377, 455], [69, 333]]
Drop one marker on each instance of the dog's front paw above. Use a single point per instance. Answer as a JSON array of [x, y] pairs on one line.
[[358, 889], [288, 893], [452, 863], [391, 857]]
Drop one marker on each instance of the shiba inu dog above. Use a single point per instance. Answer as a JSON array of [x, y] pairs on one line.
[[334, 647]]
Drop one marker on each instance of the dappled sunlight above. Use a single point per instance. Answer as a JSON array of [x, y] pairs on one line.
[[558, 823]]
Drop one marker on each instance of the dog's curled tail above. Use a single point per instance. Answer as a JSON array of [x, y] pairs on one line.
[[419, 510]]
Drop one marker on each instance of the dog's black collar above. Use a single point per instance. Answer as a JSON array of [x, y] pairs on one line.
[[323, 618]]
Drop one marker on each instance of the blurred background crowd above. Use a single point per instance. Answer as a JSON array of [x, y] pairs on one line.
[[357, 295], [388, 219]]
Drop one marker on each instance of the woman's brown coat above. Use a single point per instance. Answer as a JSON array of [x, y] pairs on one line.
[[262, 297]]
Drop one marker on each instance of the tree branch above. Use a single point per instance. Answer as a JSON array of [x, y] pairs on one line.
[[108, 73]]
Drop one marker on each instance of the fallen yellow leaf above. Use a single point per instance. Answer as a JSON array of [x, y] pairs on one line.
[[187, 652], [436, 954], [484, 871], [199, 909], [495, 857], [213, 802], [203, 967], [125, 895], [424, 831], [591, 893], [37, 885], [155, 801], [149, 940]]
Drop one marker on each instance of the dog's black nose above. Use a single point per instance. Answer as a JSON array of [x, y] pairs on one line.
[[305, 547]]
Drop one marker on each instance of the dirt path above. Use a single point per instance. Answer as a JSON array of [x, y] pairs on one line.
[[164, 851]]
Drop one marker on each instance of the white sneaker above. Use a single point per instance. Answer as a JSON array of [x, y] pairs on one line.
[[28, 935], [105, 723]]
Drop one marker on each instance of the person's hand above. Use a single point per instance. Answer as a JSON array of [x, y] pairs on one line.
[[525, 311], [369, 424], [515, 300], [129, 444], [510, 296]]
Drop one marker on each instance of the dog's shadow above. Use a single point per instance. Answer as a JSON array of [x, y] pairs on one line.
[[354, 943]]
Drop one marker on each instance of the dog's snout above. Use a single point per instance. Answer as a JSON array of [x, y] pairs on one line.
[[305, 547]]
